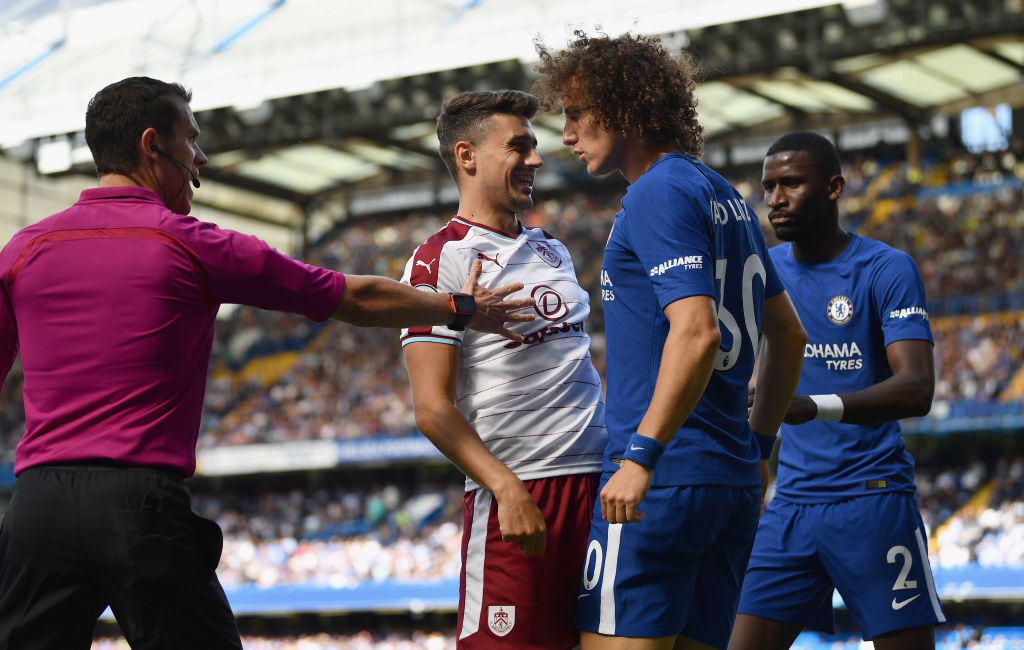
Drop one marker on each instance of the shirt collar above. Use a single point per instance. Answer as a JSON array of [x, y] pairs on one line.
[[120, 192]]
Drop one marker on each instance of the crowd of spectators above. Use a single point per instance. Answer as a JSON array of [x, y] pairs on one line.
[[989, 534], [347, 383], [408, 528], [964, 242], [344, 382], [338, 536], [976, 357], [945, 487]]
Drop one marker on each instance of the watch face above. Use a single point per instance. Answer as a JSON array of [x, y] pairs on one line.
[[465, 308], [464, 303]]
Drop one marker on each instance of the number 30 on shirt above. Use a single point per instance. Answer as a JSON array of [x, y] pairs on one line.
[[753, 266]]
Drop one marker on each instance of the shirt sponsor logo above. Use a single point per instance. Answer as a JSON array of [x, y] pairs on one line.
[[501, 618], [546, 334], [907, 312], [686, 262], [839, 310], [606, 281], [549, 304], [837, 356], [546, 253]]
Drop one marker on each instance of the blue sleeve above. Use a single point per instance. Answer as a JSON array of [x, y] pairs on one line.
[[898, 292], [670, 231]]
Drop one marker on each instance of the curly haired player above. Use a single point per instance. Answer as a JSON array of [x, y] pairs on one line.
[[688, 291]]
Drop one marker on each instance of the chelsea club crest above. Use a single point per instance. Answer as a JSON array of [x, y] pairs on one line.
[[840, 310]]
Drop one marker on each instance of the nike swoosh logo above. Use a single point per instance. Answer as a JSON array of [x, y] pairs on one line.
[[900, 604], [634, 447], [582, 596]]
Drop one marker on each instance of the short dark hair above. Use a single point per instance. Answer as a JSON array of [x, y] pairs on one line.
[[462, 118], [818, 146], [627, 83], [118, 114]]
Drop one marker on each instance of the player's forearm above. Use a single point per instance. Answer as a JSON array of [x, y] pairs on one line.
[[373, 301], [907, 393], [687, 361], [778, 373], [454, 437], [892, 399]]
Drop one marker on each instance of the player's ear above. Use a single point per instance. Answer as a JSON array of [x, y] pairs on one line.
[[147, 144], [836, 185], [465, 156]]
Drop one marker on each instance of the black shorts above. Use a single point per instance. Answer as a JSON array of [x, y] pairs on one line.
[[78, 538]]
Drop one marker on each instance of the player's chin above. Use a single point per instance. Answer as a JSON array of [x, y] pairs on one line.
[[522, 201], [596, 169], [786, 233]]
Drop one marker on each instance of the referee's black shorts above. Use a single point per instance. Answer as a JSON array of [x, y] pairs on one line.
[[77, 538]]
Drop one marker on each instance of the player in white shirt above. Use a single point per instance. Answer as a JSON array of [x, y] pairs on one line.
[[524, 421]]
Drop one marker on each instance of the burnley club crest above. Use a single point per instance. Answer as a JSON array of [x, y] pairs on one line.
[[501, 618], [546, 253]]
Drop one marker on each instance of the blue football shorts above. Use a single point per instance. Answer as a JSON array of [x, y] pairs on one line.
[[872, 549], [677, 572]]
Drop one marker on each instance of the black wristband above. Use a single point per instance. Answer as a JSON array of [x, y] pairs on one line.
[[464, 308]]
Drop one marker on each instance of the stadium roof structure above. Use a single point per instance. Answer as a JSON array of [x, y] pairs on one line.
[[320, 106]]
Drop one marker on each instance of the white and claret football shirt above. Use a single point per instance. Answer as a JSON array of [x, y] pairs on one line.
[[537, 405], [852, 308], [684, 231]]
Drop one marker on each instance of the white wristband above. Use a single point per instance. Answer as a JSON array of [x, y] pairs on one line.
[[830, 407]]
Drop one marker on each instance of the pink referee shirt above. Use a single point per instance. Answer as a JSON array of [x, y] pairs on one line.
[[112, 303]]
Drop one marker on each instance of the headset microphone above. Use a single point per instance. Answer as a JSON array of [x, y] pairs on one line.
[[195, 179]]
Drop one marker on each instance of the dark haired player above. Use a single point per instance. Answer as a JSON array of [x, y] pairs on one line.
[[524, 421], [845, 512]]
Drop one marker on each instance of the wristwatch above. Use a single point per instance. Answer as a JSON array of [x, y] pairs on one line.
[[464, 308]]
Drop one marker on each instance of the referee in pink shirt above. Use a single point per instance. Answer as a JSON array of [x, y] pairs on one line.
[[112, 304]]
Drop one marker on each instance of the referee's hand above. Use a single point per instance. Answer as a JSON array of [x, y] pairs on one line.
[[492, 308]]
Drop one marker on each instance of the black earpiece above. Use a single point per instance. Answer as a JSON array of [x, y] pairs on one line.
[[181, 166]]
